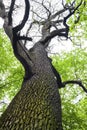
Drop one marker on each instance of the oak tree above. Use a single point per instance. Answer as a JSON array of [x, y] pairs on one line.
[[37, 105]]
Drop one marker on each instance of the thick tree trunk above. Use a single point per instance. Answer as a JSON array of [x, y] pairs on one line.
[[37, 106]]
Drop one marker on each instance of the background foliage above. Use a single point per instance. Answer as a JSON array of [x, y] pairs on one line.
[[78, 24], [73, 65], [11, 72]]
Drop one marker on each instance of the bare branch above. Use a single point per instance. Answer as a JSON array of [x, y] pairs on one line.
[[37, 15], [48, 11], [3, 102], [60, 32], [24, 38], [10, 12], [44, 6], [26, 16], [69, 5], [57, 13]]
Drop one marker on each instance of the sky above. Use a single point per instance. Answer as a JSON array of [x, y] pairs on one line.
[[1, 23]]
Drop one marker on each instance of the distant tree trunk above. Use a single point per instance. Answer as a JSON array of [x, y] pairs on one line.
[[37, 106]]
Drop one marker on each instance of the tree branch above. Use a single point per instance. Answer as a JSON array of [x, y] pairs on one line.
[[19, 49], [57, 14], [72, 11], [10, 12], [60, 32], [48, 11], [24, 38], [37, 15], [26, 16], [63, 84], [75, 82], [2, 9], [44, 6]]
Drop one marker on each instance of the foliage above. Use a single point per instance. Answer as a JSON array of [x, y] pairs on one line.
[[73, 66], [78, 24], [11, 71]]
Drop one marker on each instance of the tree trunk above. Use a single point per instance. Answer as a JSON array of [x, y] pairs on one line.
[[37, 105]]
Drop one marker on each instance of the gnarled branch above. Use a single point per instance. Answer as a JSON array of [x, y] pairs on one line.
[[50, 23], [19, 49]]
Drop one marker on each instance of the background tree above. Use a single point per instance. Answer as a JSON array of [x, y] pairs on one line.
[[26, 58]]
